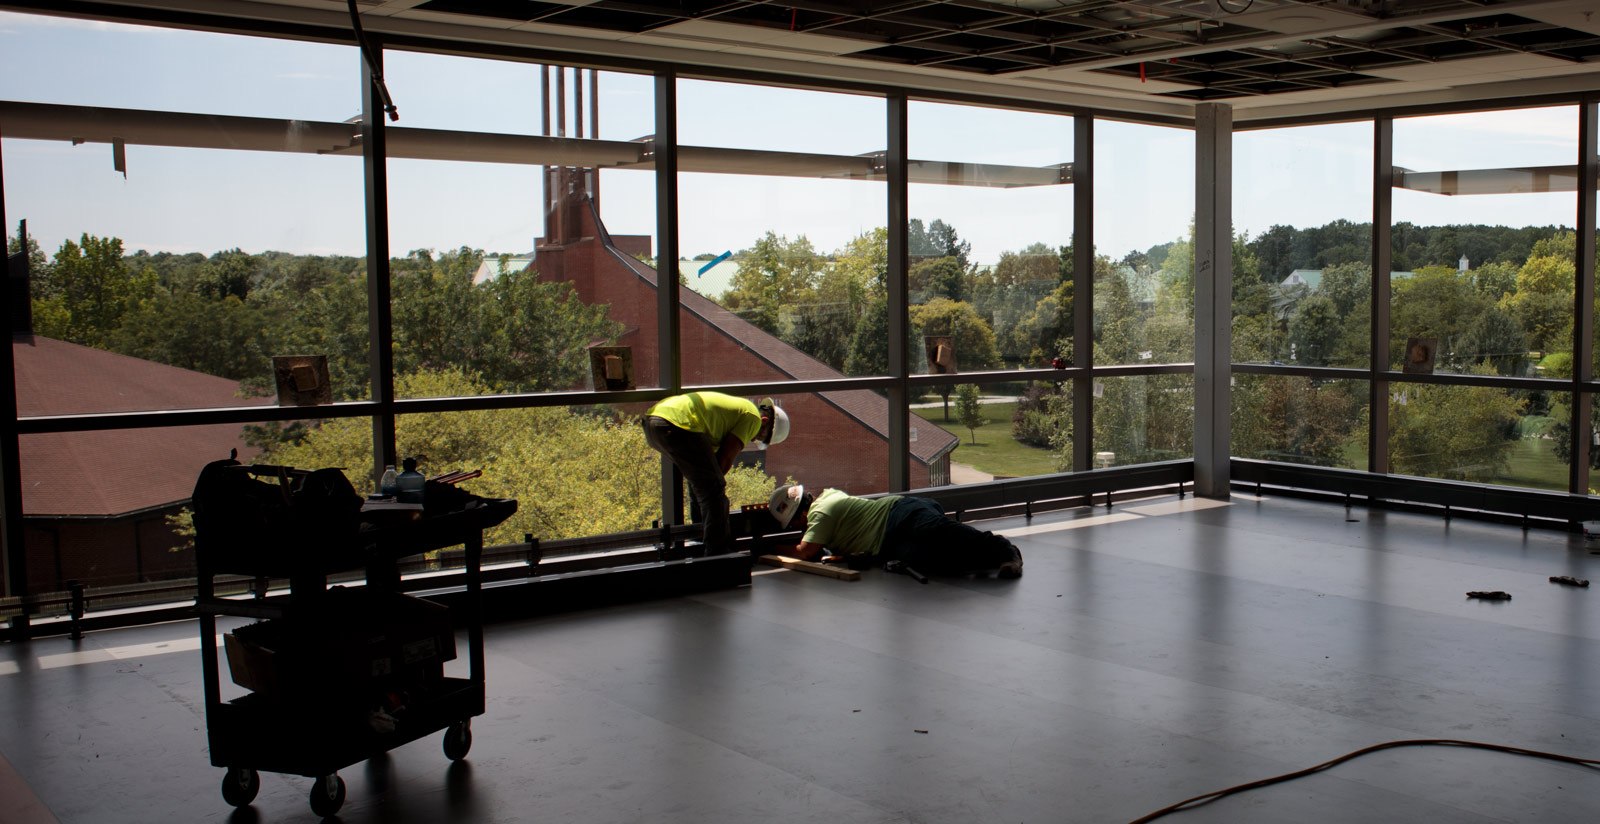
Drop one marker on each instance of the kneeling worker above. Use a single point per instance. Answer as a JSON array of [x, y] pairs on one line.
[[701, 433], [912, 531]]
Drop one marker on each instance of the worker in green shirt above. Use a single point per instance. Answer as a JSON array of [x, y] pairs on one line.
[[701, 433], [913, 533]]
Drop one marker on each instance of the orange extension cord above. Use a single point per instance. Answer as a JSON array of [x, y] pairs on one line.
[[1419, 742]]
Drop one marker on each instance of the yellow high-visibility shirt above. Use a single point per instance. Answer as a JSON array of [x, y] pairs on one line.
[[712, 414]]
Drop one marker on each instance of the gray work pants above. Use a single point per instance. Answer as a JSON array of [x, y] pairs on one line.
[[696, 457]]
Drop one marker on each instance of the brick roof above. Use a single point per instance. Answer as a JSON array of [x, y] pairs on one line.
[[114, 472]]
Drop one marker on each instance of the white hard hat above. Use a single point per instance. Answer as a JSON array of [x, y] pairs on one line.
[[785, 502], [780, 423]]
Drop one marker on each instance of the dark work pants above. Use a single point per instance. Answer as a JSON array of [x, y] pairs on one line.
[[922, 537], [695, 456]]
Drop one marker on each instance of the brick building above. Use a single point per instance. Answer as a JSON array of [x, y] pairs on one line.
[[839, 439]]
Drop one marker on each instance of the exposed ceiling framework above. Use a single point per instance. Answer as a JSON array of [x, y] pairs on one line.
[[1265, 57]]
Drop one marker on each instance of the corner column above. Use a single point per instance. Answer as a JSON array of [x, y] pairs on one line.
[[1213, 297]]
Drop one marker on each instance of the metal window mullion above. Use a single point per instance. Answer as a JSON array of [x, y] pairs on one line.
[[1082, 290], [1213, 290], [380, 315], [895, 286], [15, 560], [1382, 253], [1583, 295], [668, 349]]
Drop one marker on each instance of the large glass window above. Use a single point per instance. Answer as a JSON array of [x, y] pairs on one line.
[[1144, 244], [506, 264], [990, 278], [1302, 265], [1143, 418], [1475, 433], [1483, 246], [172, 256], [1300, 420], [782, 226]]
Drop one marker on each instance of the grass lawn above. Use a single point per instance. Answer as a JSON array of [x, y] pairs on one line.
[[996, 452], [1534, 464]]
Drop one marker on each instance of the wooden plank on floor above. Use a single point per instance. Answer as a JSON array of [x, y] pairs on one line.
[[825, 570], [18, 804]]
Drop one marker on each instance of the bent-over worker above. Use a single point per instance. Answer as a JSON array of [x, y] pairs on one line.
[[878, 531], [702, 433]]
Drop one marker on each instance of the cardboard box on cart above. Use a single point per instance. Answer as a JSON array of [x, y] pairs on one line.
[[351, 641]]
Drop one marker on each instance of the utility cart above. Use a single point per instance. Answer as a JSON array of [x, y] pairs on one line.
[[337, 674]]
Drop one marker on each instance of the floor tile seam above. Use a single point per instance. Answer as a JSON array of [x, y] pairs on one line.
[[1455, 696], [594, 689], [1268, 582], [1408, 534], [1177, 639], [1385, 547]]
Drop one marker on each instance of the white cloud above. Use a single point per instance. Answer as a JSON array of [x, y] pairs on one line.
[[9, 18]]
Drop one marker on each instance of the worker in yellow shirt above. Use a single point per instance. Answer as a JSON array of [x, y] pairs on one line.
[[701, 433]]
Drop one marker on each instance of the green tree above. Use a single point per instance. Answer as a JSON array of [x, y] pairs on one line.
[[969, 409], [1452, 432], [1294, 418], [773, 273], [869, 345], [1315, 330], [974, 340], [37, 260], [937, 277], [573, 473], [82, 296], [1009, 294], [227, 338], [517, 333]]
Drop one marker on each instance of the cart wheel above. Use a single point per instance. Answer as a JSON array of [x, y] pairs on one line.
[[327, 795], [457, 740], [239, 786]]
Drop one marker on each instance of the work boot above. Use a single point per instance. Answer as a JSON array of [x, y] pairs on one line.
[[1013, 567]]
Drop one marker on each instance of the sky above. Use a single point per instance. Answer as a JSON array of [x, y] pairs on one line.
[[183, 200]]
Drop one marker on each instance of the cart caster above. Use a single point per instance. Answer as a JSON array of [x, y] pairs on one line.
[[239, 786], [327, 795], [457, 740]]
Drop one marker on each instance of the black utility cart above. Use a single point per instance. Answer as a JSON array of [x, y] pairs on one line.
[[336, 674]]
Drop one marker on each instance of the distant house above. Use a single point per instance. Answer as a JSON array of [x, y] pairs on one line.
[[839, 439], [1309, 278], [95, 503], [713, 281], [494, 265]]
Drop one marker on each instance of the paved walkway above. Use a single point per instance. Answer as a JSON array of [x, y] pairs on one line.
[[960, 473]]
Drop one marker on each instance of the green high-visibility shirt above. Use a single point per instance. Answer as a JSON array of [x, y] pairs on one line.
[[847, 525], [711, 414]]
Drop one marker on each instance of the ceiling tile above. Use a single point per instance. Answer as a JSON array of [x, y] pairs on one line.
[[1471, 67]]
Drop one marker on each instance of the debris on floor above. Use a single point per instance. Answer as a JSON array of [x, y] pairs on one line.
[[1569, 580], [1496, 595]]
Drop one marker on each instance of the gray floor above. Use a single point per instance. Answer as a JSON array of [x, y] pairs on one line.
[[1152, 652]]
